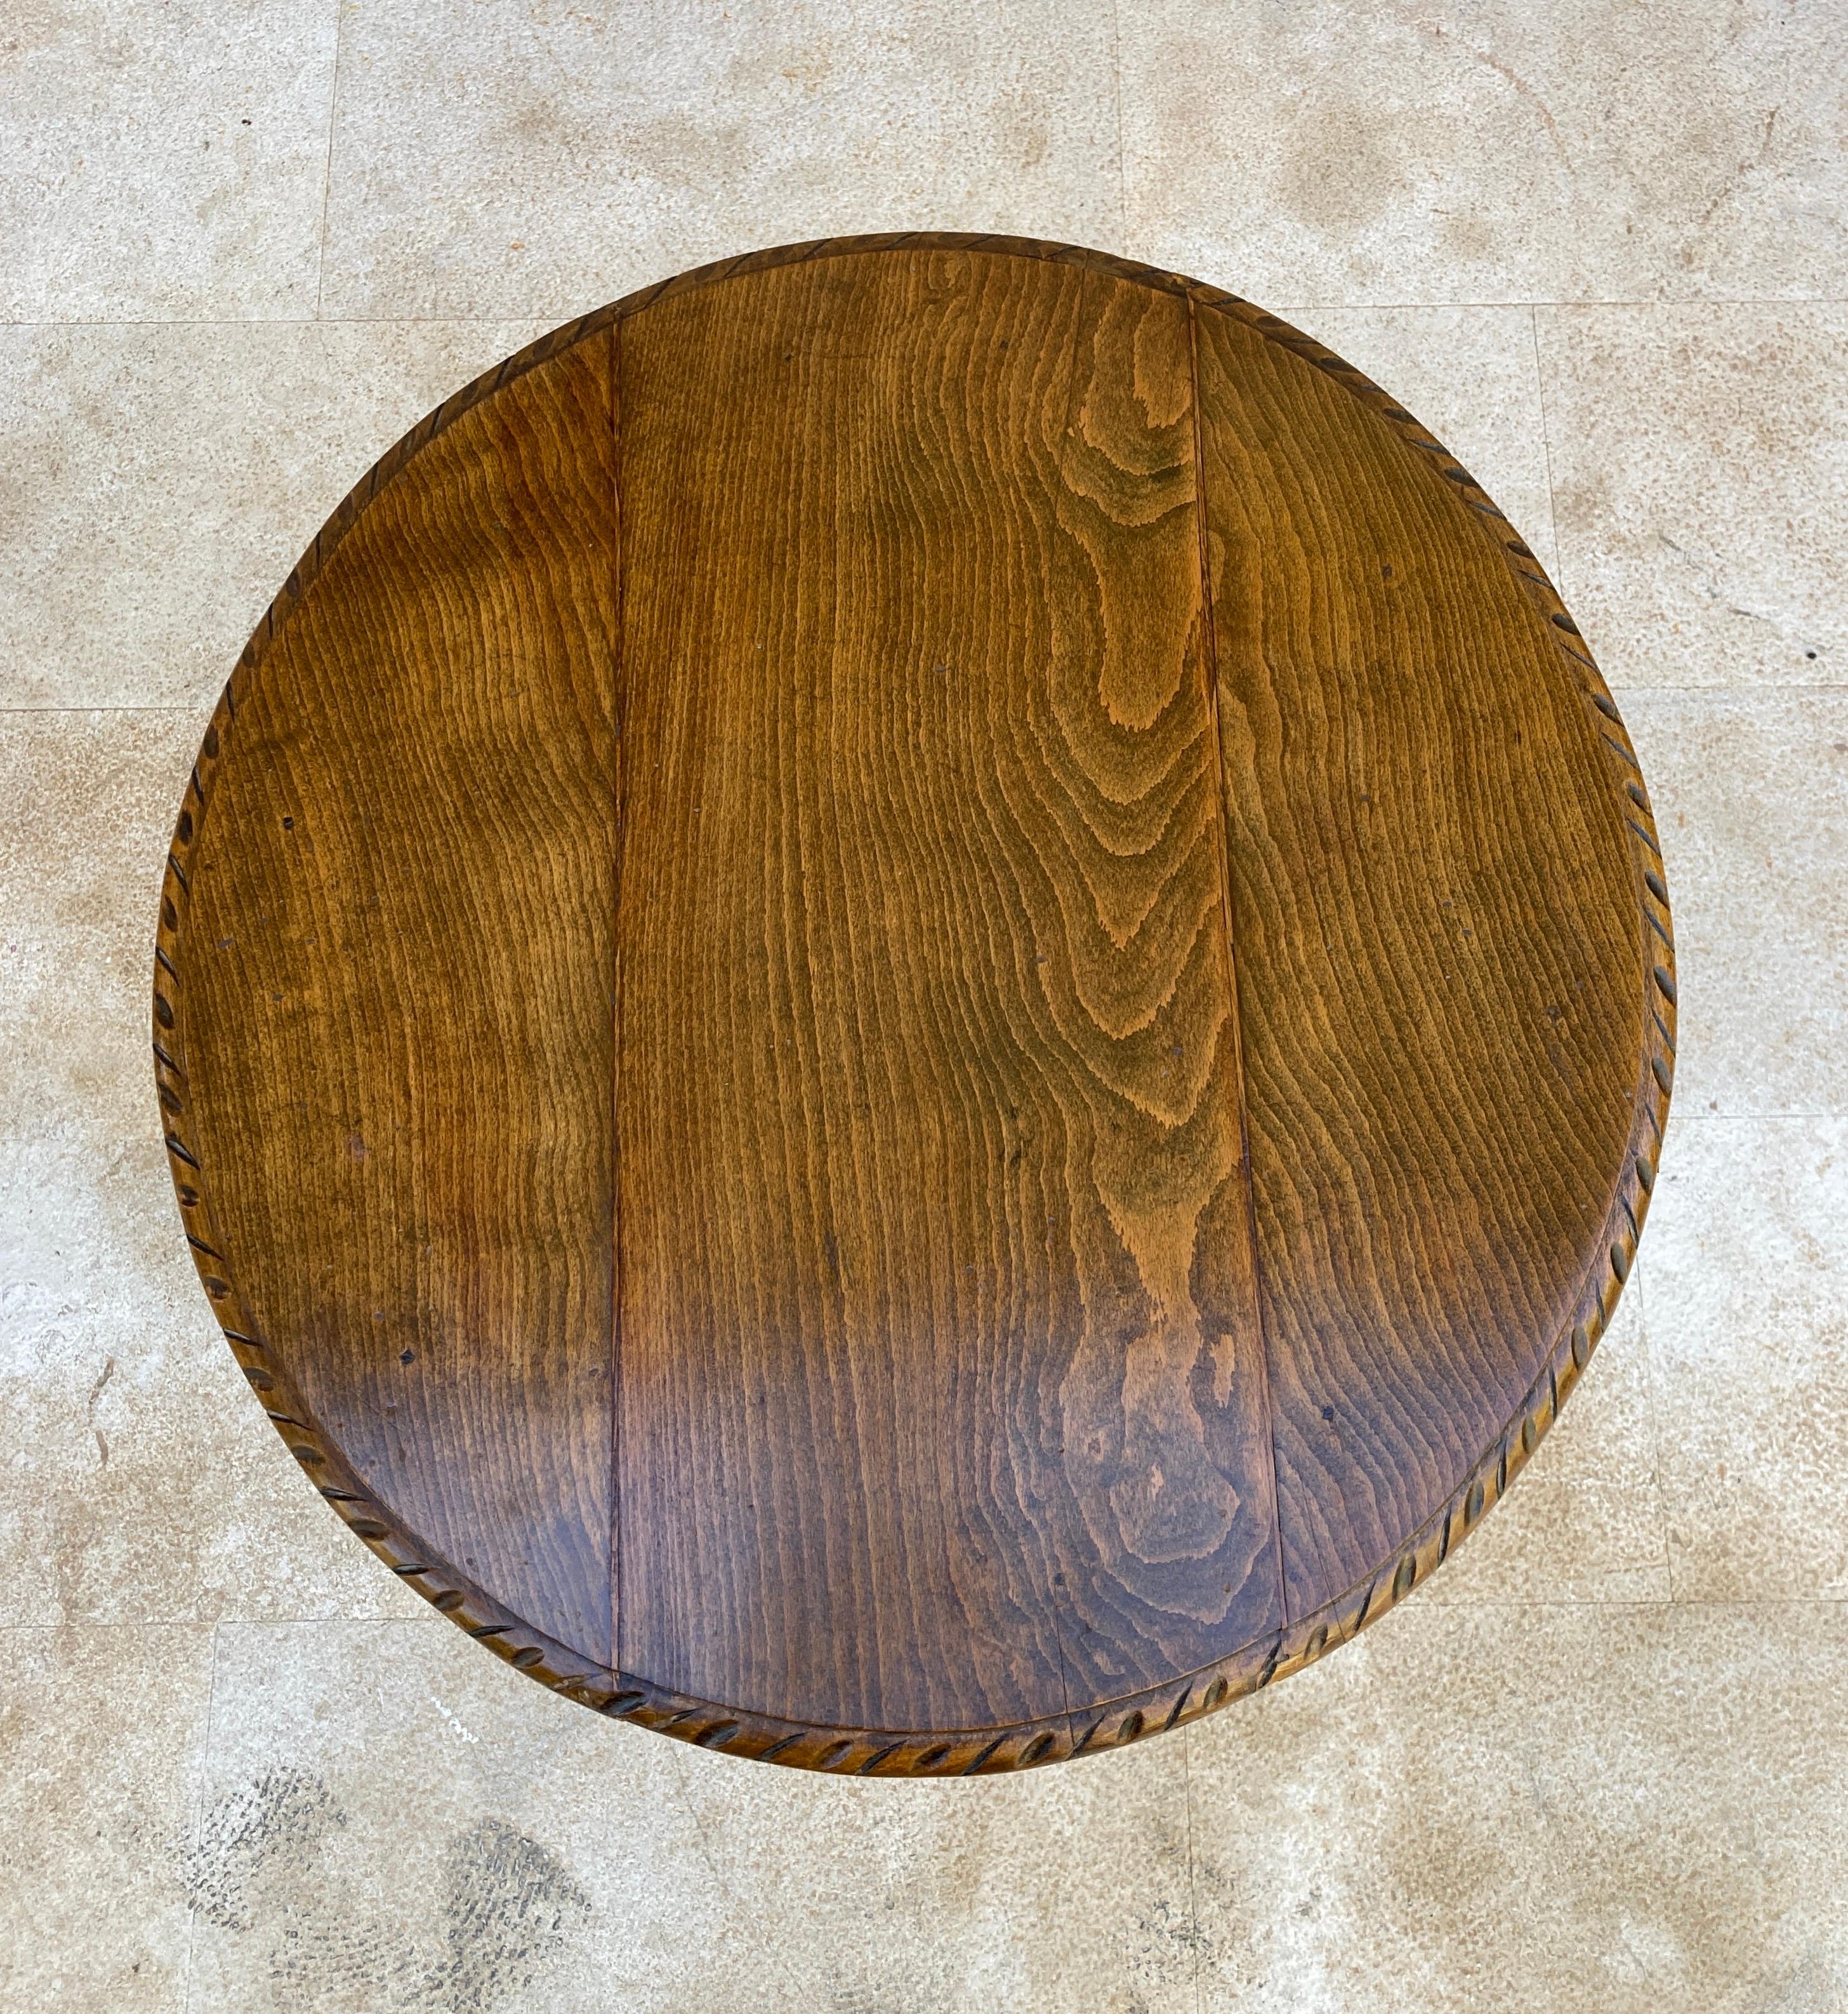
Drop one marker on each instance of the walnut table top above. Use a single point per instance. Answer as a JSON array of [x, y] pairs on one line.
[[913, 1008]]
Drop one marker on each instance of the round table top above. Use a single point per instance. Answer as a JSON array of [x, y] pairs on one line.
[[914, 1007]]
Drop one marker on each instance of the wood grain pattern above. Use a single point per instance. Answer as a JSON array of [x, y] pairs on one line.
[[939, 1321], [867, 1036], [1442, 988], [402, 1086]]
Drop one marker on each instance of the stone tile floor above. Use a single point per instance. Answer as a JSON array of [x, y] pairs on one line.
[[1597, 1763]]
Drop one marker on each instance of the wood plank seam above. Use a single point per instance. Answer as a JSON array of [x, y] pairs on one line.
[[616, 699], [888, 1751], [1229, 914]]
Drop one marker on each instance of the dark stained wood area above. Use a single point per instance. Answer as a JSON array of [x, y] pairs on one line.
[[1442, 977], [913, 1008], [398, 983]]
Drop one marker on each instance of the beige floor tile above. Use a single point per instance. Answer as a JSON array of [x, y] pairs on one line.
[[1065, 1889], [1584, 1520], [1492, 151], [1751, 798], [161, 482], [1472, 376], [1560, 1540], [1700, 482], [1589, 1810], [139, 1480], [102, 1736], [495, 158], [163, 161], [1744, 1282], [396, 1820]]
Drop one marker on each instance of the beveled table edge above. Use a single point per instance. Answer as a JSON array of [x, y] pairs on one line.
[[847, 1751]]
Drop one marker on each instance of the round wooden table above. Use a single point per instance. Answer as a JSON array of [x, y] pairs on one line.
[[914, 1007]]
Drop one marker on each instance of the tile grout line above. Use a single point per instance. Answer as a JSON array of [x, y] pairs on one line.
[[1187, 1778], [545, 319], [1122, 179], [198, 1821], [1734, 692], [1648, 1371], [556, 318], [1553, 507], [327, 179]]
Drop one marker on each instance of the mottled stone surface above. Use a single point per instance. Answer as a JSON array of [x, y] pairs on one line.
[[540, 1857], [103, 1741], [1490, 150], [1744, 1280], [1593, 1808], [1700, 479], [493, 157], [163, 163], [1751, 797], [1594, 1763]]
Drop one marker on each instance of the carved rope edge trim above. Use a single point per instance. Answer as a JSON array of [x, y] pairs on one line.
[[861, 1751]]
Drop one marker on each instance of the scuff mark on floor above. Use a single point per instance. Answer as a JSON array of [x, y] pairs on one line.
[[508, 1901], [96, 1392], [279, 1817]]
